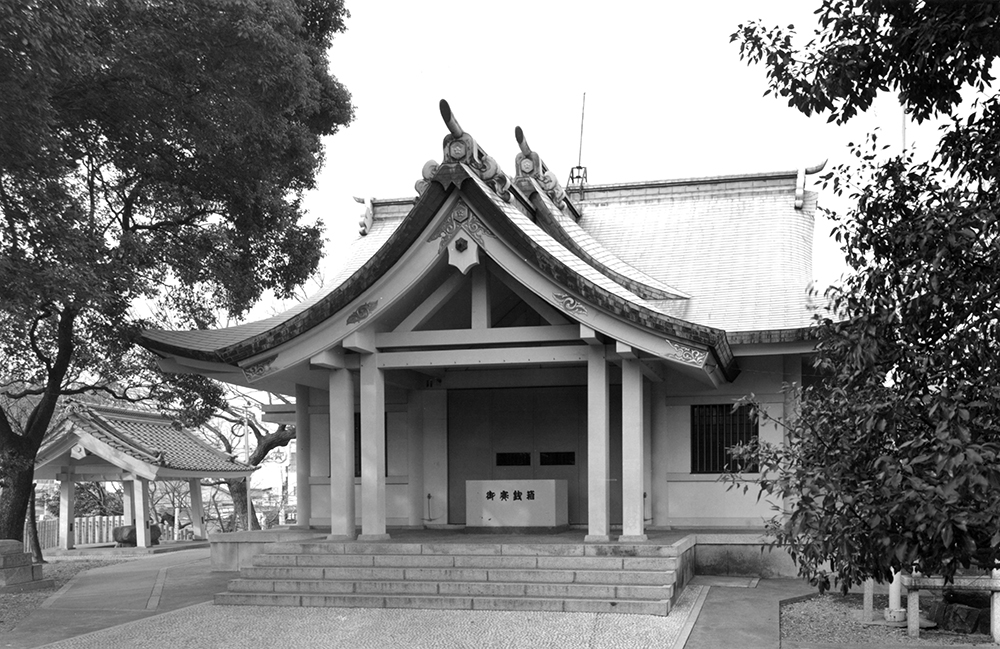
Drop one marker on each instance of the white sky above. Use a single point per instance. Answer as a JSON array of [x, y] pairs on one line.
[[667, 97]]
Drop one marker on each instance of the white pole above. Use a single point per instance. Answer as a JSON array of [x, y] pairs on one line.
[[896, 591], [246, 439]]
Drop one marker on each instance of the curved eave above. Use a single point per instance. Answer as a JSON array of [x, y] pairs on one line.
[[500, 216], [565, 230], [390, 252], [483, 200]]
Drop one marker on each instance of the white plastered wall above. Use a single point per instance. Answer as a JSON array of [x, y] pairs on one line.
[[683, 499]]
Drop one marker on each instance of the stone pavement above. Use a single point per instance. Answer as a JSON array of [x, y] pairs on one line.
[[106, 597], [165, 600]]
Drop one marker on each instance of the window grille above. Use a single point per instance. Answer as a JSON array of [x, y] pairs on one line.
[[557, 458], [714, 430], [513, 459]]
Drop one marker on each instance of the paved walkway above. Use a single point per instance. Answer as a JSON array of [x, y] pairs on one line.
[[165, 600]]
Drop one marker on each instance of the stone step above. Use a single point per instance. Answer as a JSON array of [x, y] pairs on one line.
[[552, 576], [481, 549], [523, 562], [517, 577], [452, 589], [645, 607]]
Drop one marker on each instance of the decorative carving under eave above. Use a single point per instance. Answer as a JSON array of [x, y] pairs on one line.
[[260, 369], [460, 147], [685, 354], [530, 164], [460, 218], [362, 312], [570, 303]]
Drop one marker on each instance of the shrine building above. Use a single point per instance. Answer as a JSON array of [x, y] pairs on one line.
[[503, 352]]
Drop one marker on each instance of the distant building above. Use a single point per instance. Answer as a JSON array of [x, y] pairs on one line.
[[497, 329]]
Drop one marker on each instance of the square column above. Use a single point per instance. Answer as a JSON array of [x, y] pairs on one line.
[[598, 445], [142, 536], [372, 450], [633, 465], [303, 494], [67, 540], [128, 500], [197, 511], [342, 526]]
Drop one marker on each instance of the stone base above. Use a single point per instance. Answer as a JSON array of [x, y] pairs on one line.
[[368, 538], [597, 538], [234, 550], [633, 538], [16, 569]]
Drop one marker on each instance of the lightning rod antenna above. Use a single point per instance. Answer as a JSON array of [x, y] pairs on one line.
[[578, 174]]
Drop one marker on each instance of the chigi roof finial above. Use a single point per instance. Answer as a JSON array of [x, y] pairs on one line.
[[461, 148], [530, 164]]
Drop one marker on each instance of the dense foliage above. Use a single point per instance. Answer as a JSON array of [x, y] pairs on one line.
[[151, 152], [892, 461]]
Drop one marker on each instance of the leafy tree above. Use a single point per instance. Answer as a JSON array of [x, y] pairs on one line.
[[893, 461], [148, 151]]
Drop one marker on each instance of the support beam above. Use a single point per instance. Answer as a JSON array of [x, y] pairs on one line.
[[483, 357], [589, 336], [480, 299], [342, 525], [598, 447], [429, 307], [478, 337], [142, 536], [372, 450], [329, 359], [303, 493], [67, 540], [548, 312], [197, 511], [362, 342], [633, 465]]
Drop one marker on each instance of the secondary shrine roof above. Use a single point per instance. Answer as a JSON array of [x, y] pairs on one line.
[[147, 443]]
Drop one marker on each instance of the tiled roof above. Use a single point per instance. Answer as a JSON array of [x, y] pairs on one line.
[[204, 343], [735, 252], [738, 246], [150, 438], [565, 230]]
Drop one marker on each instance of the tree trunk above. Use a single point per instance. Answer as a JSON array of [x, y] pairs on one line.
[[16, 487], [33, 542], [238, 492]]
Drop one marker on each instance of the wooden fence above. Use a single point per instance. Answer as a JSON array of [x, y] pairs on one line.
[[89, 530]]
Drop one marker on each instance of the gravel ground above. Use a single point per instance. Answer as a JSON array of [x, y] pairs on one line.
[[837, 618], [14, 607]]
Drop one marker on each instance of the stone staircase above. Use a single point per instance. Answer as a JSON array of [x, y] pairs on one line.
[[611, 578]]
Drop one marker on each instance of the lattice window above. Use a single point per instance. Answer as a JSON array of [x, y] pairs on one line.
[[714, 430]]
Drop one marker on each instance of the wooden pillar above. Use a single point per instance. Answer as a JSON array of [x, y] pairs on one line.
[[66, 497], [128, 502], [142, 539], [633, 466], [598, 463], [372, 450], [303, 494], [342, 526], [197, 511]]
